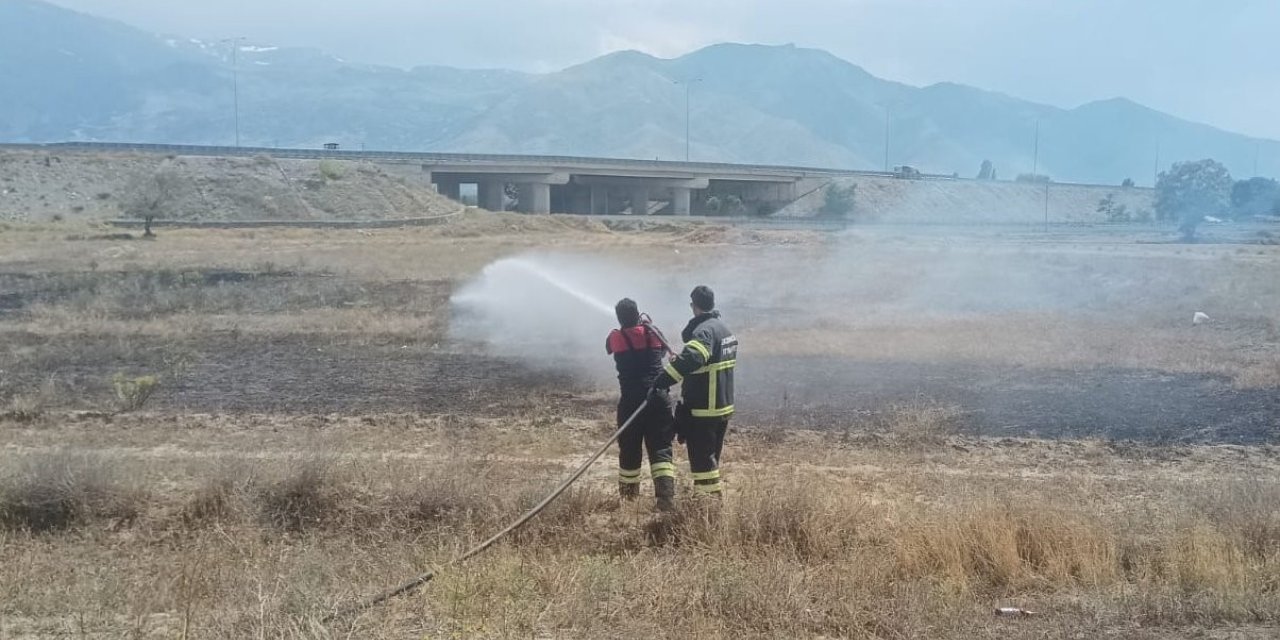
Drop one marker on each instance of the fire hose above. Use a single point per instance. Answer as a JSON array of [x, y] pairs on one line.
[[417, 581]]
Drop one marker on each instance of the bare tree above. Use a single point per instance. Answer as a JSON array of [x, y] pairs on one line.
[[151, 196]]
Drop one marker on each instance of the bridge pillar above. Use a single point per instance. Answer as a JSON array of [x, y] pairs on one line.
[[680, 198], [493, 195], [599, 200], [640, 201], [535, 197], [451, 189]]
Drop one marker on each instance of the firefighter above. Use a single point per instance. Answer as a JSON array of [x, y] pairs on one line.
[[704, 368], [637, 349]]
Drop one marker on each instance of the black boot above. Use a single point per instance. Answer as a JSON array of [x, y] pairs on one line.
[[664, 489], [628, 491]]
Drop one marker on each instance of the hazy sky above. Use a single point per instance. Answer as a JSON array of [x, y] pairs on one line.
[[1213, 61]]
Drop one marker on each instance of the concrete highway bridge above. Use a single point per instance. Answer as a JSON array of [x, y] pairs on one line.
[[564, 184]]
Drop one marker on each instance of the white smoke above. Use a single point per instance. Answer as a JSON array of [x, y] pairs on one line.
[[555, 311]]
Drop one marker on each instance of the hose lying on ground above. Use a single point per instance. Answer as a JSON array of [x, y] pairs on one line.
[[413, 584]]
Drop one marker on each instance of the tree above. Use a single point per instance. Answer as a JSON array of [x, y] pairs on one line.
[[713, 204], [987, 172], [1128, 183], [149, 197], [1033, 178], [838, 201], [1189, 191], [1255, 197], [1113, 212]]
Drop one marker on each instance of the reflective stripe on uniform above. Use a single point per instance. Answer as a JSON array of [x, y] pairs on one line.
[[699, 347], [713, 381], [671, 371], [712, 413], [662, 470], [718, 366], [707, 481], [629, 476]]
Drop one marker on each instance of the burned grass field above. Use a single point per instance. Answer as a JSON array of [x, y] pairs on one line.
[[235, 433]]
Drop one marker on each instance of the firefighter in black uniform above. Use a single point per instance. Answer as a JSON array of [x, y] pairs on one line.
[[637, 349], [705, 370]]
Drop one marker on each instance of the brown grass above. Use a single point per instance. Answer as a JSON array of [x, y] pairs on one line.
[[271, 546], [261, 525], [60, 490]]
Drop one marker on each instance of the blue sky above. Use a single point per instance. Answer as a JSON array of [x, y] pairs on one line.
[[1204, 60]]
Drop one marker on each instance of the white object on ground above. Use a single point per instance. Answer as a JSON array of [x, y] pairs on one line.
[[1013, 611], [1199, 318]]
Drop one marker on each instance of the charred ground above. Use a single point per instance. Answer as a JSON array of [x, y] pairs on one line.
[[312, 335]]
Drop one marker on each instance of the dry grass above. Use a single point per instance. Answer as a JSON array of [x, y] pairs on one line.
[[269, 547], [260, 525], [61, 490]]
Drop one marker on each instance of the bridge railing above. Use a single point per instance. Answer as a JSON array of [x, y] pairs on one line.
[[440, 157], [566, 162]]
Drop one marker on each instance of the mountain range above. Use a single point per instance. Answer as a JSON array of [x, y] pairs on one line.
[[74, 77]]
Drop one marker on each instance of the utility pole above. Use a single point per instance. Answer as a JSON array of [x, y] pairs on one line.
[[688, 86], [886, 139], [235, 81], [1257, 151], [1035, 161]]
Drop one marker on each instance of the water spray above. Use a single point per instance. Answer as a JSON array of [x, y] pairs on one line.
[[559, 283]]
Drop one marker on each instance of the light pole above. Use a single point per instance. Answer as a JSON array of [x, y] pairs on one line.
[[688, 86], [235, 81]]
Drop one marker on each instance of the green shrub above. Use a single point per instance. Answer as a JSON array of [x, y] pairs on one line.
[[132, 393], [332, 170], [839, 201]]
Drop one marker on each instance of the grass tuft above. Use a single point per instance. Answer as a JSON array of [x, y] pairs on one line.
[[57, 491]]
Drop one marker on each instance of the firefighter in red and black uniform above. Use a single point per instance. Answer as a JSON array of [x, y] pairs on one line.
[[637, 349], [705, 370]]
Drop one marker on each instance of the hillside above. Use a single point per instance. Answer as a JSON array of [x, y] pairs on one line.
[[73, 77], [40, 186]]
